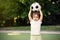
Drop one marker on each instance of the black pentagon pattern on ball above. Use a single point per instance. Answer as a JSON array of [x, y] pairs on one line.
[[32, 7], [36, 6]]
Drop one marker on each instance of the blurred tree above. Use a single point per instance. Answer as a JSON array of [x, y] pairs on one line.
[[9, 9]]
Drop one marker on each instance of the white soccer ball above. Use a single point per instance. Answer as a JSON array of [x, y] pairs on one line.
[[35, 6]]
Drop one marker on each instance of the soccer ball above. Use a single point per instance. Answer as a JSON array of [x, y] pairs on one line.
[[35, 6]]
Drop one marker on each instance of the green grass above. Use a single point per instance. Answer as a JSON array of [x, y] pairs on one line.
[[26, 36], [51, 37], [47, 28], [16, 28], [50, 28]]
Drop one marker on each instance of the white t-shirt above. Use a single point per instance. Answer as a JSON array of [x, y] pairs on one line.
[[35, 27]]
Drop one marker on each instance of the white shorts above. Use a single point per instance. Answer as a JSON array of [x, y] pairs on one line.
[[35, 37]]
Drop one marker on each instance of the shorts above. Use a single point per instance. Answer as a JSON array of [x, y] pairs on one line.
[[35, 37]]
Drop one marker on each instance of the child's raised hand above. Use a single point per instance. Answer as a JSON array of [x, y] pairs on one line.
[[30, 8]]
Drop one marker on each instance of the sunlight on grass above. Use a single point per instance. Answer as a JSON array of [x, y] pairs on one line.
[[13, 33]]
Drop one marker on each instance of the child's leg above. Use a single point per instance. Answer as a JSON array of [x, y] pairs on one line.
[[39, 37], [33, 37]]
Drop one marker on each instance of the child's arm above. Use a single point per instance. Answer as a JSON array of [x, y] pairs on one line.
[[41, 16], [29, 15]]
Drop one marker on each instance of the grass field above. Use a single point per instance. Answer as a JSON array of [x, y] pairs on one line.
[[26, 36], [46, 28]]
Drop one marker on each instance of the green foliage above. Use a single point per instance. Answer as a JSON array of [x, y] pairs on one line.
[[8, 8], [14, 8], [11, 8]]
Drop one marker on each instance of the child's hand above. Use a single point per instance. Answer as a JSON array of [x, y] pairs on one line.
[[39, 7]]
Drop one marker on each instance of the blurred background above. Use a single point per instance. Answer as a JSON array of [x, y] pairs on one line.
[[14, 23], [14, 13]]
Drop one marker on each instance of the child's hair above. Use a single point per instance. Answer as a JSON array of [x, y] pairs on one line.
[[37, 13]]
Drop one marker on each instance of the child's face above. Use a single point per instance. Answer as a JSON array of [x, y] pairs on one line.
[[35, 17]]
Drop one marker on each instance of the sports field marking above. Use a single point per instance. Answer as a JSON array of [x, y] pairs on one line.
[[13, 33], [42, 32]]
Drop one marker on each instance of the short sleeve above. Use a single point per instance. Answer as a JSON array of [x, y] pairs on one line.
[[39, 21], [31, 21]]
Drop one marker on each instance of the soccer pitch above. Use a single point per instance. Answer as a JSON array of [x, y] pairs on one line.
[[26, 36], [14, 33]]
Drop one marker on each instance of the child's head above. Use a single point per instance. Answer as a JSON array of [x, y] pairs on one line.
[[36, 16]]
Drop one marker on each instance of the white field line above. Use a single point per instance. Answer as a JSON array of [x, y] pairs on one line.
[[42, 32]]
